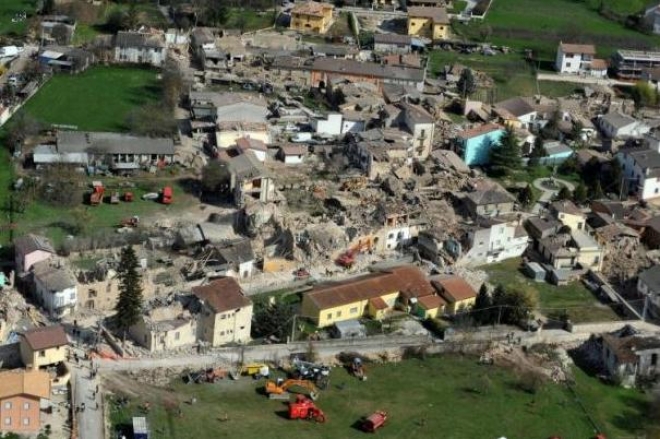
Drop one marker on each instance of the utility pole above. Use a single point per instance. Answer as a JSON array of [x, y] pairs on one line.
[[293, 328], [499, 314]]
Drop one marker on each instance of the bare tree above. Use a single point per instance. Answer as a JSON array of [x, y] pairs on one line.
[[60, 34]]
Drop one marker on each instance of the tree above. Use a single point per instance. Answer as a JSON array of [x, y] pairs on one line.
[[644, 94], [153, 120], [551, 129], [21, 127], [116, 21], [526, 196], [537, 152], [129, 304], [518, 306], [596, 192], [269, 320], [241, 22], [612, 179], [172, 83], [485, 31], [563, 194], [466, 84], [60, 34], [505, 157], [216, 13], [132, 17], [482, 306], [215, 177], [580, 194]]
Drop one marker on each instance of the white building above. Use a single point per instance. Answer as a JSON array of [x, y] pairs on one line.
[[55, 287], [641, 171], [574, 58], [618, 125], [499, 242], [648, 285], [140, 48], [353, 122], [331, 125], [421, 125]]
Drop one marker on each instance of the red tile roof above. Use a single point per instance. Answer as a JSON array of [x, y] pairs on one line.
[[222, 295], [455, 289], [431, 302], [46, 337], [405, 279], [35, 383], [478, 131], [587, 49], [378, 303], [311, 8]]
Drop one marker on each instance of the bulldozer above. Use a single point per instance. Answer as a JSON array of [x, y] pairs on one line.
[[281, 388], [304, 408], [255, 370], [304, 370]]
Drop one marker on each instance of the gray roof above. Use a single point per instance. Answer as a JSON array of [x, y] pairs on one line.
[[556, 148], [53, 276], [618, 120], [416, 113], [582, 240], [651, 277], [357, 68], [646, 158], [246, 165], [481, 198], [225, 99], [542, 223], [516, 106], [31, 243], [393, 39], [112, 143], [331, 50], [239, 251], [138, 39]]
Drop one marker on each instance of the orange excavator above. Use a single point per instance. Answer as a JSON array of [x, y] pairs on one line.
[[281, 387], [304, 408]]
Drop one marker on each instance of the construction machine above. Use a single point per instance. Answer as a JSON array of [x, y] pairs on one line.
[[213, 375], [317, 373], [133, 221], [282, 387], [255, 370], [114, 198], [166, 195], [304, 408], [357, 369], [96, 196], [373, 422]]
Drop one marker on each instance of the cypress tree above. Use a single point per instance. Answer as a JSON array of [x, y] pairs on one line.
[[129, 304]]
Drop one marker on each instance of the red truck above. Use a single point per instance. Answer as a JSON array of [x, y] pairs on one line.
[[166, 195]]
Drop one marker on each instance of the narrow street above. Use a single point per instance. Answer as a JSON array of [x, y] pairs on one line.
[[87, 403]]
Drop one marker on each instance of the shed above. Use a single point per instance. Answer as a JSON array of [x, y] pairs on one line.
[[535, 271], [350, 329], [560, 277], [140, 428]]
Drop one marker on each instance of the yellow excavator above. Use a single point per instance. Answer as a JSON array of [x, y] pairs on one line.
[[280, 389]]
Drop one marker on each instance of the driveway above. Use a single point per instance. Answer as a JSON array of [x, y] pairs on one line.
[[591, 80], [548, 194]]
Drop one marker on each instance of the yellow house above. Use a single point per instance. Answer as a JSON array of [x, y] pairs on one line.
[[568, 214], [457, 292], [45, 346], [373, 295], [428, 307], [312, 17], [426, 22]]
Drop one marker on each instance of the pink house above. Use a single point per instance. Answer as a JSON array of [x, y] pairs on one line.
[[30, 249]]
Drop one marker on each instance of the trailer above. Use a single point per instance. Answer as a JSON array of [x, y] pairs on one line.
[[140, 428]]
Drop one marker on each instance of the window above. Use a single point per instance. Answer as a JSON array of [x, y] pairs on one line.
[[328, 316], [26, 421], [568, 65], [222, 332], [7, 405], [654, 359], [353, 310], [224, 316], [242, 327], [390, 236], [338, 313], [26, 406], [7, 421], [42, 353], [177, 335]]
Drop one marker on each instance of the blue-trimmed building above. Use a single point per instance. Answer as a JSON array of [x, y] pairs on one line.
[[474, 145]]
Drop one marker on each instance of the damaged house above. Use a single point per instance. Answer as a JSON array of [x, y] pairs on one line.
[[165, 328], [249, 179], [54, 287], [376, 152], [630, 357]]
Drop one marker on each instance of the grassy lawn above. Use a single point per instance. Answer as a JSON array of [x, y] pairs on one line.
[[85, 33], [9, 8], [56, 222], [540, 25], [422, 397], [253, 20], [579, 303], [98, 99], [512, 75]]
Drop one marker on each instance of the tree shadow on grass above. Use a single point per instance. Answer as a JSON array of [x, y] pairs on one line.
[[635, 417]]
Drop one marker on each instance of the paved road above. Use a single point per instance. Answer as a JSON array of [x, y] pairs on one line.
[[558, 77], [548, 194], [90, 421]]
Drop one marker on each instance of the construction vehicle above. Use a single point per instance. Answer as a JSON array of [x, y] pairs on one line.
[[133, 221], [357, 369], [304, 370], [96, 196], [282, 387], [255, 370], [128, 197], [373, 422], [114, 198], [304, 408], [166, 195], [212, 375]]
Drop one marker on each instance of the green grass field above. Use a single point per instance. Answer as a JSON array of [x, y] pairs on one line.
[[575, 299], [98, 99], [9, 8], [436, 397], [512, 75], [540, 25]]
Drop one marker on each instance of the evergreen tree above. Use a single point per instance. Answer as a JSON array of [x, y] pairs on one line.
[[129, 304], [526, 196], [482, 305], [466, 84], [580, 194], [596, 192], [563, 194], [506, 157]]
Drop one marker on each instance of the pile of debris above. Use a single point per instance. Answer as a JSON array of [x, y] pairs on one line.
[[539, 359]]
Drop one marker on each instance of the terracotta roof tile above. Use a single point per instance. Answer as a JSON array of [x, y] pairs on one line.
[[588, 49], [455, 289], [222, 295], [378, 303], [431, 302], [46, 337], [24, 382]]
